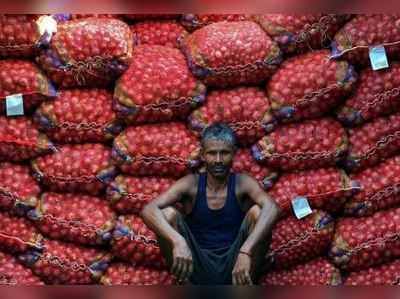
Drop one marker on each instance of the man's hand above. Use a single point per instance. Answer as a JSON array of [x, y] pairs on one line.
[[241, 271], [182, 265]]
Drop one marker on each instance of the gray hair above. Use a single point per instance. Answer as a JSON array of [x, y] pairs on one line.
[[219, 131]]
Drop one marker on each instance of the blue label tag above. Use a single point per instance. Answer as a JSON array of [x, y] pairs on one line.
[[14, 105], [301, 207], [378, 58]]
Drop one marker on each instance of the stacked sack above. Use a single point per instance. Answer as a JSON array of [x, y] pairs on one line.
[[113, 107]]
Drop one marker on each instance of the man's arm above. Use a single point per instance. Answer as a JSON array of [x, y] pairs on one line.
[[154, 218], [269, 213], [268, 216]]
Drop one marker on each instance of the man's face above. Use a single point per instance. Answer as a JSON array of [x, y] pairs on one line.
[[218, 157]]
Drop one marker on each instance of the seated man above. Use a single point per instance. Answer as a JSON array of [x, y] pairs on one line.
[[225, 230]]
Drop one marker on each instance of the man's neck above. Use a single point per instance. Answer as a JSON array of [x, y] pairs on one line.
[[216, 184]]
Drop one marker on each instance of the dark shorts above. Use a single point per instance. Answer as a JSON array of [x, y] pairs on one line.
[[214, 267]]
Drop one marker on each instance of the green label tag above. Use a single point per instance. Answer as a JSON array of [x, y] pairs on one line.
[[301, 207], [378, 58], [15, 105]]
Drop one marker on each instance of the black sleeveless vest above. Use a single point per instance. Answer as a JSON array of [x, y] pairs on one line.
[[214, 229]]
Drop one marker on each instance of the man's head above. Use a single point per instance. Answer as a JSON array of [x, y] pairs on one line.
[[218, 147]]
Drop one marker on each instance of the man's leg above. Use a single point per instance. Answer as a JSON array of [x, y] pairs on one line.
[[171, 215], [259, 263]]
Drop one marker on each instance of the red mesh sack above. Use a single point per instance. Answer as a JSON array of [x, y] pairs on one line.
[[25, 78], [377, 94], [90, 52], [360, 243], [301, 32], [84, 16], [13, 273], [79, 116], [134, 242], [142, 17], [157, 149], [352, 42], [129, 195], [196, 21], [18, 235], [315, 273], [379, 188], [158, 86], [21, 140], [309, 86], [245, 109], [66, 263], [387, 274], [231, 53], [18, 189], [307, 145], [245, 163], [80, 219], [76, 168], [163, 33], [324, 188], [297, 241], [373, 142], [123, 274], [19, 35]]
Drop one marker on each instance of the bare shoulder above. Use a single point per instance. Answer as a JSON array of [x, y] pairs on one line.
[[188, 183], [245, 183]]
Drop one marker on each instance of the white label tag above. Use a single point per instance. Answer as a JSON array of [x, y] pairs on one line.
[[15, 105], [47, 24], [301, 207], [378, 58]]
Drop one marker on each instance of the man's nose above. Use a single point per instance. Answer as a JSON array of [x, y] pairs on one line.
[[219, 157]]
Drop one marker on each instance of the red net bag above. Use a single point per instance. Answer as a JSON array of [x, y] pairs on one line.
[[163, 33], [21, 140], [352, 42], [141, 17], [90, 52], [65, 263], [25, 78], [360, 243], [158, 86], [297, 241], [134, 242], [20, 35], [123, 274], [13, 273], [307, 145], [129, 195], [379, 188], [196, 21], [377, 94], [245, 109], [80, 219], [18, 189], [309, 85], [324, 188], [231, 53], [79, 116], [386, 274], [297, 33], [373, 142], [18, 235], [245, 163], [315, 273], [76, 168], [157, 150], [84, 16]]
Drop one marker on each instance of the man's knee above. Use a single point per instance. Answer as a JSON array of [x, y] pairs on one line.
[[171, 215], [252, 215]]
